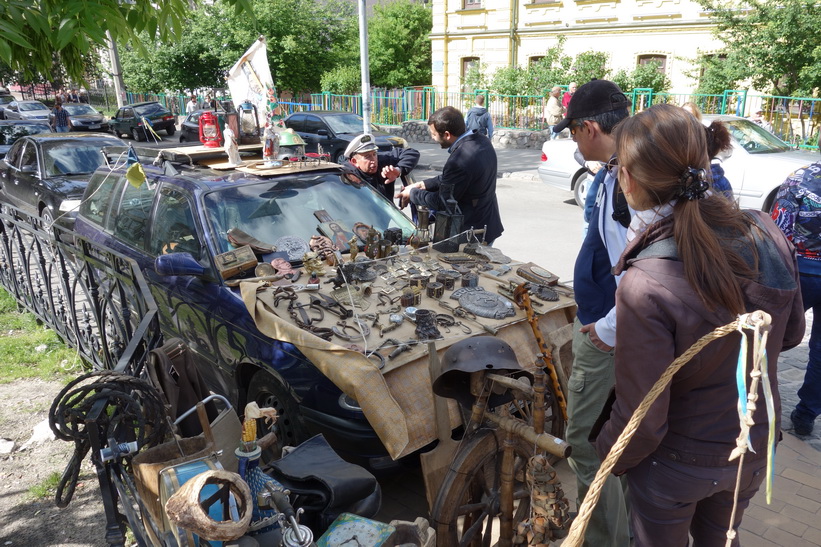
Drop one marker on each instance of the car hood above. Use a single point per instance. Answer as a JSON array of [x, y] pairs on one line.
[[36, 115], [70, 186]]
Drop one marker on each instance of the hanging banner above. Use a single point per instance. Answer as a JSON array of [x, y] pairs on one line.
[[250, 79]]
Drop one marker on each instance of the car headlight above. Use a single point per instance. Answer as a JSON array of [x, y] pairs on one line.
[[70, 205], [398, 142], [349, 403]]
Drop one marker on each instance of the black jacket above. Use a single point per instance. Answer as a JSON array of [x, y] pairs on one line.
[[471, 173], [403, 158]]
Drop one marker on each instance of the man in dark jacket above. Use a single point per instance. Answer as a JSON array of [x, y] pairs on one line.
[[379, 169], [478, 118], [469, 175]]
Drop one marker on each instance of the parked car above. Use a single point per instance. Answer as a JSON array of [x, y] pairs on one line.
[[188, 214], [82, 117], [5, 100], [334, 130], [46, 174], [26, 110], [190, 126], [129, 120], [759, 163], [11, 130]]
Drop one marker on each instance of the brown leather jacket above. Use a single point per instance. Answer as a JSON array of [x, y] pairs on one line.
[[659, 316]]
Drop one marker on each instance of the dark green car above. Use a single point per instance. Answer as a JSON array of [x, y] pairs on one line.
[[130, 120]]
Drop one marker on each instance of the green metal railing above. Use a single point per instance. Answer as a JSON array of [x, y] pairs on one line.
[[794, 119]]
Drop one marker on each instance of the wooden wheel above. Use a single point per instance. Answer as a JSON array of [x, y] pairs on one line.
[[469, 500], [554, 423]]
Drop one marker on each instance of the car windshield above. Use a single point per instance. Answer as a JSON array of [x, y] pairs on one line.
[[150, 109], [6, 99], [76, 157], [345, 123], [24, 107], [79, 109], [755, 139], [297, 206], [10, 133]]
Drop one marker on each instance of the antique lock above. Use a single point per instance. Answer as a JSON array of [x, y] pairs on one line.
[[235, 262]]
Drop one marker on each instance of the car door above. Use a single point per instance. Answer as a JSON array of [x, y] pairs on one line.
[[191, 127], [11, 112], [315, 132], [24, 176]]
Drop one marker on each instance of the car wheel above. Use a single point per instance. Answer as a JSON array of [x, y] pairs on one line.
[[170, 131], [268, 392], [340, 157], [47, 218], [182, 138], [137, 135], [580, 185]]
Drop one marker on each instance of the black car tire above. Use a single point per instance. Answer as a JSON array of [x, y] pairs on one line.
[[137, 134], [339, 157], [170, 131], [267, 391], [182, 138], [47, 218]]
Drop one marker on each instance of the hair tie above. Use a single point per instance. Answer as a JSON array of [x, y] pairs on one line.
[[694, 184]]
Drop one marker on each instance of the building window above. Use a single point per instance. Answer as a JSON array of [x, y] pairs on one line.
[[472, 4], [472, 77], [660, 59], [468, 64], [535, 59]]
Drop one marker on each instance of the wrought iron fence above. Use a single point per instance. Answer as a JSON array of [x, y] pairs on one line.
[[95, 299]]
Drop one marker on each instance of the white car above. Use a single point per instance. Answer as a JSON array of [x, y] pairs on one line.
[[759, 163]]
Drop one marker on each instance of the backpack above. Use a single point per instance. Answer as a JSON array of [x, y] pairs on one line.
[[477, 123]]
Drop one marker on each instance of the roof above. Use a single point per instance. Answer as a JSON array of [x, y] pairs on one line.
[[78, 136], [24, 122]]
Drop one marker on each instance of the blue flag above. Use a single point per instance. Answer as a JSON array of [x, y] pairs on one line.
[[132, 156]]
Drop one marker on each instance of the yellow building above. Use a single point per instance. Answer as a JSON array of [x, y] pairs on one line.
[[500, 33]]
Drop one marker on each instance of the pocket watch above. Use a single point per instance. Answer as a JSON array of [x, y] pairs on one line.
[[350, 530]]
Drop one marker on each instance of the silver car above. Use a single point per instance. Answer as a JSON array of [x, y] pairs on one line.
[[759, 163], [26, 110]]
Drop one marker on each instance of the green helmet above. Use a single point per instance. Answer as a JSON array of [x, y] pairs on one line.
[[289, 138]]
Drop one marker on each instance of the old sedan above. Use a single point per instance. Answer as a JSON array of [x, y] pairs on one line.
[[46, 174], [82, 117], [177, 227], [11, 130], [26, 110], [758, 165]]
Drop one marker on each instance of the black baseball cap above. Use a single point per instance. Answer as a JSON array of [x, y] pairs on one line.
[[594, 97]]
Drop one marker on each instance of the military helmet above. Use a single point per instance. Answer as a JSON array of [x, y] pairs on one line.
[[473, 355]]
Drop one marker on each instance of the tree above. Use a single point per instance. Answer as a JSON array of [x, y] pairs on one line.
[[342, 80], [35, 33], [716, 73], [398, 44], [775, 42], [589, 65], [645, 76]]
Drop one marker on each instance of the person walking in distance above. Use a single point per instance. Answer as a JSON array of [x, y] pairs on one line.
[[553, 111], [797, 211], [469, 175], [571, 89], [478, 118], [60, 120], [592, 114]]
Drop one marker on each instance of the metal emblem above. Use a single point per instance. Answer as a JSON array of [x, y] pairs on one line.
[[296, 247], [483, 303]]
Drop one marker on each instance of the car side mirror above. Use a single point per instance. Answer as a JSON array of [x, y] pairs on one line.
[[28, 169], [322, 132], [178, 264]]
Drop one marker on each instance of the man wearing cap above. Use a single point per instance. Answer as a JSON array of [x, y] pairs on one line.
[[758, 119], [469, 175], [592, 114], [379, 169]]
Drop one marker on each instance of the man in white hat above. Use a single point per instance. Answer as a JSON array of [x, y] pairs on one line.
[[759, 119], [379, 169]]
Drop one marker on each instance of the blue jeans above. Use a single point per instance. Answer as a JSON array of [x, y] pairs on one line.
[[809, 395], [61, 129]]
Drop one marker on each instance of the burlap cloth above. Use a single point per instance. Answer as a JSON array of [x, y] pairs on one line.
[[398, 400]]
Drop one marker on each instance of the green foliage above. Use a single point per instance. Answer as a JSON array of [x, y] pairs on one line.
[[589, 65], [511, 80], [475, 78], [716, 73], [774, 43], [35, 33], [342, 80], [29, 350], [399, 49], [643, 76]]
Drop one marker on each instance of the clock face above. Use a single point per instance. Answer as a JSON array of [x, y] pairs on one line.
[[350, 530]]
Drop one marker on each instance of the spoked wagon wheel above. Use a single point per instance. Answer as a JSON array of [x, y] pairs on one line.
[[469, 500], [554, 422]]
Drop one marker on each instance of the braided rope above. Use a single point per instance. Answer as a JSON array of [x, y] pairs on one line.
[[577, 530]]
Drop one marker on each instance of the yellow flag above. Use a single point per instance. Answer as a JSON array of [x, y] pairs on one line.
[[135, 175]]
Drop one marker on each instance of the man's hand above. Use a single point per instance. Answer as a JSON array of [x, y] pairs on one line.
[[404, 195], [594, 338], [390, 173]]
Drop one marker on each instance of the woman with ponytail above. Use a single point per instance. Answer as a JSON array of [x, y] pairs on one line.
[[693, 262]]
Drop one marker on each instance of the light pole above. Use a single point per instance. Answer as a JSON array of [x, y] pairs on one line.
[[116, 70], [366, 75]]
